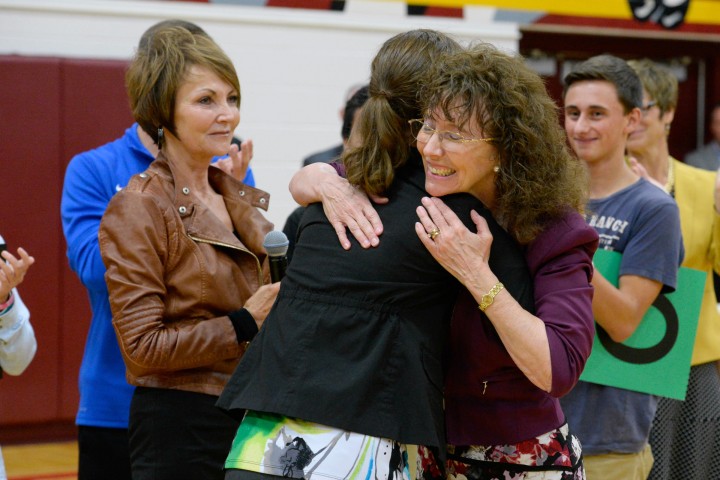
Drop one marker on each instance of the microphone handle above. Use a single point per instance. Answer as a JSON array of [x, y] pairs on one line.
[[278, 265]]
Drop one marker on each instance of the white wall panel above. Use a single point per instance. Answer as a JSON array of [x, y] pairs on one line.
[[295, 65]]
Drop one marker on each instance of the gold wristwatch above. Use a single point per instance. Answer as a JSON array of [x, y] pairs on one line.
[[488, 298]]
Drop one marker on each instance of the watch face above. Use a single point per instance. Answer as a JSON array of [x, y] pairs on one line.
[[486, 301]]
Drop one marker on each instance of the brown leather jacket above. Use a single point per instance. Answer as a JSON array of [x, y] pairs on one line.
[[174, 272]]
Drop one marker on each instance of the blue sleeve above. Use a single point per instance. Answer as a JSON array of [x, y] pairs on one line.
[[249, 178], [655, 249], [82, 206]]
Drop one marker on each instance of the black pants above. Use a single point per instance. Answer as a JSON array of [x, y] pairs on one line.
[[104, 453], [178, 435]]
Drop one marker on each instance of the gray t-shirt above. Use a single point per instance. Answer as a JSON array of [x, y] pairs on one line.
[[641, 222]]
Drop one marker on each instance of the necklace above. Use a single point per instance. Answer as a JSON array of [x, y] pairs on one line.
[[670, 184]]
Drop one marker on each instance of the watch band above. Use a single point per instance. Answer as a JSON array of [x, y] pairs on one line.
[[488, 298]]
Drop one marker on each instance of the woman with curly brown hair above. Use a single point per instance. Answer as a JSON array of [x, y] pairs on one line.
[[491, 130]]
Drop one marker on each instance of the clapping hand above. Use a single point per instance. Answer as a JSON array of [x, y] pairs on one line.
[[13, 270], [238, 160]]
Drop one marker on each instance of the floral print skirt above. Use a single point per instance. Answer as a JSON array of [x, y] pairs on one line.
[[555, 455]]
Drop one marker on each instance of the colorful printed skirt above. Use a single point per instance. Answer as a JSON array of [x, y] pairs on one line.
[[291, 448], [556, 455]]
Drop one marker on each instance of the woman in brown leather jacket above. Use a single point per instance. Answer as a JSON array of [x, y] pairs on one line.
[[182, 244]]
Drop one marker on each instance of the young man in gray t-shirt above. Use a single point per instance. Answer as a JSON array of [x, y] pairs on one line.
[[602, 99]]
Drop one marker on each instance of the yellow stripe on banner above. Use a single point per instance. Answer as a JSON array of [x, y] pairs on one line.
[[606, 8], [704, 11], [700, 11]]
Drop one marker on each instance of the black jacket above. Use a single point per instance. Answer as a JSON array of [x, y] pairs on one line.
[[355, 339]]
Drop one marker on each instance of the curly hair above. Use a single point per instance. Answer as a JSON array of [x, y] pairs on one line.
[[398, 70], [539, 179]]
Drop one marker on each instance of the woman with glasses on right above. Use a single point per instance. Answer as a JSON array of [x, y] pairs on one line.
[[491, 130], [506, 366]]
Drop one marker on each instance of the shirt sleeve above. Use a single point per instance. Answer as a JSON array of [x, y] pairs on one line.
[[82, 206], [17, 338], [655, 249], [560, 261], [249, 178]]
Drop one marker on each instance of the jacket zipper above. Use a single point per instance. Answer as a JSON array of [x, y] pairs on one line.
[[221, 244]]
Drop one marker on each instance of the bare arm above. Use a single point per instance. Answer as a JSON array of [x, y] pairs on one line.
[[620, 310], [346, 206]]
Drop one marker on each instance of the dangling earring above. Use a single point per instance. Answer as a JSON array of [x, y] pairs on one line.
[[667, 129], [161, 137], [496, 168]]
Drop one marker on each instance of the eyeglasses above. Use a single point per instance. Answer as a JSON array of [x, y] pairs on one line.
[[646, 108], [423, 132]]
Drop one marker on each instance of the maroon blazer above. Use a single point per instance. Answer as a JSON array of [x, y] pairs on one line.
[[488, 400]]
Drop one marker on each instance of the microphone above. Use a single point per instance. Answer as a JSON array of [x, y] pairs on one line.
[[276, 245]]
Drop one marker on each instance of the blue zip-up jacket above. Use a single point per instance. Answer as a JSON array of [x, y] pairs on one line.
[[91, 180]]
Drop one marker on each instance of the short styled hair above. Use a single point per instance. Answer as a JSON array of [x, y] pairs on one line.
[[146, 38], [159, 68], [614, 70], [659, 83]]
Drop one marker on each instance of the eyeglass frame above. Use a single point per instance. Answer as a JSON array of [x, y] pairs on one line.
[[441, 133], [645, 109]]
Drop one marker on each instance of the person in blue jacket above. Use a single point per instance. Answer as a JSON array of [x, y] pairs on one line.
[[91, 180]]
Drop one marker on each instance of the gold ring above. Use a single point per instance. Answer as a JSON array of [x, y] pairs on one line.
[[434, 233]]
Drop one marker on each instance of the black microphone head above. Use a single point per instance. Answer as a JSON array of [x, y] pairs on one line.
[[276, 243]]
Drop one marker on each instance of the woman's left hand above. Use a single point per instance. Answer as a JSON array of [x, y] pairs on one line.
[[260, 303], [460, 251]]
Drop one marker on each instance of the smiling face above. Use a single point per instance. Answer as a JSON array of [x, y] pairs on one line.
[[651, 130], [595, 121], [207, 111], [458, 167]]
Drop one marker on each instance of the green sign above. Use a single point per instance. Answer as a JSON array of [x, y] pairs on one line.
[[656, 358]]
